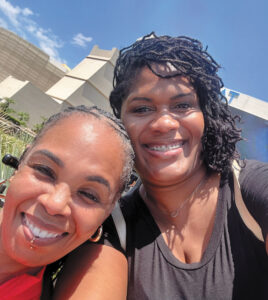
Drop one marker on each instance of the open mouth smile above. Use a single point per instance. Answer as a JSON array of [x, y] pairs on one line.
[[39, 235], [164, 148]]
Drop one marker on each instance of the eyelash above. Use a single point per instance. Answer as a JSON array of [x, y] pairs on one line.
[[141, 109], [179, 106], [45, 170], [49, 173], [182, 106], [89, 196]]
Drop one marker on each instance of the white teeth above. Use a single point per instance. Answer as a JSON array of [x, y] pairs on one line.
[[42, 234], [37, 232], [164, 148]]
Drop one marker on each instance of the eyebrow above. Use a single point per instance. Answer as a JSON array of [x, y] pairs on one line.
[[141, 99], [60, 163], [51, 156], [181, 95], [99, 179]]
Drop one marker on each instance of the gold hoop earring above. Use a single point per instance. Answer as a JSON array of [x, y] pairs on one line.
[[97, 235]]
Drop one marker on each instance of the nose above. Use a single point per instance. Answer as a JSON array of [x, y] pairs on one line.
[[164, 122], [57, 200]]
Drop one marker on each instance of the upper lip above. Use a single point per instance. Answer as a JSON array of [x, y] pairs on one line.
[[43, 226], [164, 143]]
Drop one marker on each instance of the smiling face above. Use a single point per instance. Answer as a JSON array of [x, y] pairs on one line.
[[165, 124], [63, 190]]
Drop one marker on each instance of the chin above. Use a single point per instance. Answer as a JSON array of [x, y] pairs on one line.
[[161, 177]]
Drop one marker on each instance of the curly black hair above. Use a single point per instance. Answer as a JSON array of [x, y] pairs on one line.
[[191, 60]]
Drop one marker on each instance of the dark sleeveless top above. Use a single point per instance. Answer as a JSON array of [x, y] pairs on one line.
[[234, 265]]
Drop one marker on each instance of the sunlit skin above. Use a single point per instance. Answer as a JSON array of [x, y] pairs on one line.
[[66, 186], [165, 123]]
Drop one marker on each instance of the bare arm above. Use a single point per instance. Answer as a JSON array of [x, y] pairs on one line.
[[96, 272]]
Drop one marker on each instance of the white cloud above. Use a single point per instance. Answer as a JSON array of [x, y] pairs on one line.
[[81, 40], [31, 28], [10, 11], [27, 12], [27, 28], [49, 43]]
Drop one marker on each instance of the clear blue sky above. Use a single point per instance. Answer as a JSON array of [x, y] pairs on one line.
[[236, 31]]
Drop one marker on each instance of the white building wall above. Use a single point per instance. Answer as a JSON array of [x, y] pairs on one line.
[[29, 99], [90, 82]]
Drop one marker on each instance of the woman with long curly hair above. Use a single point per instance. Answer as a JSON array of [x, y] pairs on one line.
[[185, 238]]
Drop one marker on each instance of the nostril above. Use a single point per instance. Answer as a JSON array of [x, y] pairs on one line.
[[165, 123], [56, 202]]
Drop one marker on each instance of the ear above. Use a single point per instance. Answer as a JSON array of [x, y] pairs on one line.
[[117, 197], [12, 177]]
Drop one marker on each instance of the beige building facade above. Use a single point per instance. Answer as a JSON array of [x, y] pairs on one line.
[[28, 98], [89, 83], [24, 61]]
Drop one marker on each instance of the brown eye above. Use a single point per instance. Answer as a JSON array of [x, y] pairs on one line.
[[89, 196], [183, 106], [141, 109], [44, 171]]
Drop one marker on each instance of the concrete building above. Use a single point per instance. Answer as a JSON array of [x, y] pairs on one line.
[[28, 98], [24, 61], [89, 83]]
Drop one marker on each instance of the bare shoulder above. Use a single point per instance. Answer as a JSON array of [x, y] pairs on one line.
[[96, 272]]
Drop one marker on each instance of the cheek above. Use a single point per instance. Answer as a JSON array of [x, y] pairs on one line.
[[197, 125], [14, 193], [135, 130], [23, 184], [89, 219], [24, 189]]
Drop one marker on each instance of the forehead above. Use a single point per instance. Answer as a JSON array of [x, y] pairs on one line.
[[87, 142], [78, 126], [145, 78]]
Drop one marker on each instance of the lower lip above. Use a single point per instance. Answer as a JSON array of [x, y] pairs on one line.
[[37, 241], [165, 154]]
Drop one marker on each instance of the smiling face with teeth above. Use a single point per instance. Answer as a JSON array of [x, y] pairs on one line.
[[63, 190], [165, 123]]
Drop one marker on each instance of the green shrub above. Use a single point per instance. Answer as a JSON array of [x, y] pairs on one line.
[[13, 140]]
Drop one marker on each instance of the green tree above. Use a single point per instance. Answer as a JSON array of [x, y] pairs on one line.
[[23, 117], [18, 118], [5, 106], [37, 127]]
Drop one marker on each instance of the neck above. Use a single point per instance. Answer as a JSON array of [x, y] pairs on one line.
[[168, 200]]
